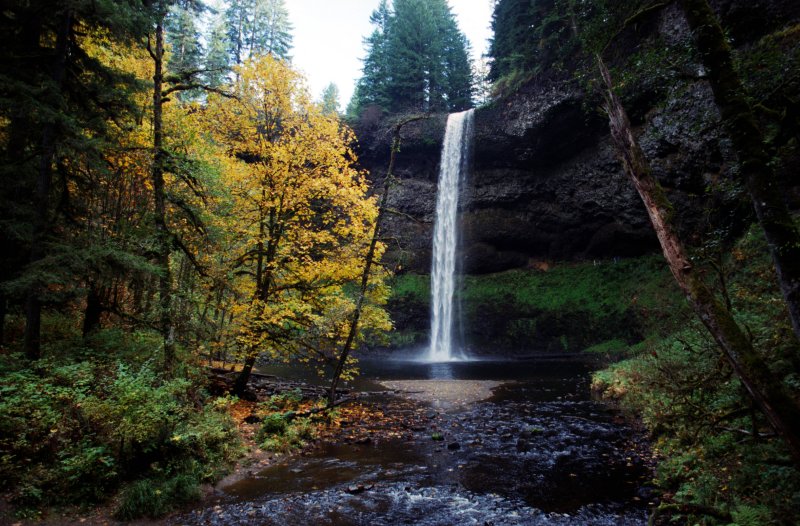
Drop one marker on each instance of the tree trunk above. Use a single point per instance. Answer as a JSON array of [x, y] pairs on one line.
[[240, 385], [3, 309], [362, 292], [94, 309], [33, 304], [765, 389], [755, 171], [160, 218]]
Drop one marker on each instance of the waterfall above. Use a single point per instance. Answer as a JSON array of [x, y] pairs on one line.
[[454, 162]]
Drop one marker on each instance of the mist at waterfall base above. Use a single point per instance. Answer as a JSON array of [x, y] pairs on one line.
[[445, 266]]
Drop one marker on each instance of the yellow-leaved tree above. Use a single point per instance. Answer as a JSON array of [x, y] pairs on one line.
[[300, 219]]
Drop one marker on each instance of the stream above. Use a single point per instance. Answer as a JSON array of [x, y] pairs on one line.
[[515, 443]]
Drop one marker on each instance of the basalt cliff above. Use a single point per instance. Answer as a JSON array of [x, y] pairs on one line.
[[545, 186]]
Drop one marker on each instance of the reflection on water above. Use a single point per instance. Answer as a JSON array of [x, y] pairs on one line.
[[545, 369], [539, 452], [441, 371]]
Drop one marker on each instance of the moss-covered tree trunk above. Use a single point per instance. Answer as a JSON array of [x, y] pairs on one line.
[[780, 408], [159, 196], [755, 171]]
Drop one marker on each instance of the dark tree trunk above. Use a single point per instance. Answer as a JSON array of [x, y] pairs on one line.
[[44, 180], [265, 261], [754, 161], [240, 385], [765, 389], [3, 307], [93, 312], [159, 196]]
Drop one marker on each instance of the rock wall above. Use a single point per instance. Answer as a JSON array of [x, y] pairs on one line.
[[545, 183]]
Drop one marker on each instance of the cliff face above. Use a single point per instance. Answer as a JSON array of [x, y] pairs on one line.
[[545, 183], [545, 188]]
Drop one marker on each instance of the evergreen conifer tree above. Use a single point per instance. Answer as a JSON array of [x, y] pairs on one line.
[[55, 101], [514, 41], [330, 100], [258, 27], [417, 59], [371, 87], [217, 60], [271, 31], [238, 23], [186, 53]]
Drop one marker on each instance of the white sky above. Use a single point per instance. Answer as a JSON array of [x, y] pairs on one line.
[[328, 38]]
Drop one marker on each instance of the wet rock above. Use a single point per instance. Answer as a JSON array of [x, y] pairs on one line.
[[562, 464], [358, 488]]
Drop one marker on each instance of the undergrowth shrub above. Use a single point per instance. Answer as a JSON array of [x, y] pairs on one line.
[[282, 432], [717, 452], [77, 426], [152, 497]]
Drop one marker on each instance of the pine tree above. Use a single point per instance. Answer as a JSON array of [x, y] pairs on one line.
[[514, 41], [217, 60], [237, 22], [371, 87], [55, 101], [185, 50], [330, 100], [457, 66], [414, 80], [258, 27], [271, 31], [531, 37], [417, 59]]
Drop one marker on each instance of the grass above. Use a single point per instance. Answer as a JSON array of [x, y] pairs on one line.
[[602, 287], [604, 306]]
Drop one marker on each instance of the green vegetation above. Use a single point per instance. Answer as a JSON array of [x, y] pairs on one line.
[[570, 307], [417, 60], [718, 457], [285, 431], [95, 416], [601, 288]]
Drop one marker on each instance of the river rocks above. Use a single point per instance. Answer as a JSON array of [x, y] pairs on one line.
[[515, 460], [358, 488]]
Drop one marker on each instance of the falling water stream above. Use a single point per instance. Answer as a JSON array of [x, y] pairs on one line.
[[454, 162]]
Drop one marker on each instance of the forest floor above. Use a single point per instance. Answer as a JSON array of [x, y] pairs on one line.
[[482, 447], [357, 422]]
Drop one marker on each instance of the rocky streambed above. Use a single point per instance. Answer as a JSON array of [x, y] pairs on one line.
[[489, 443]]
